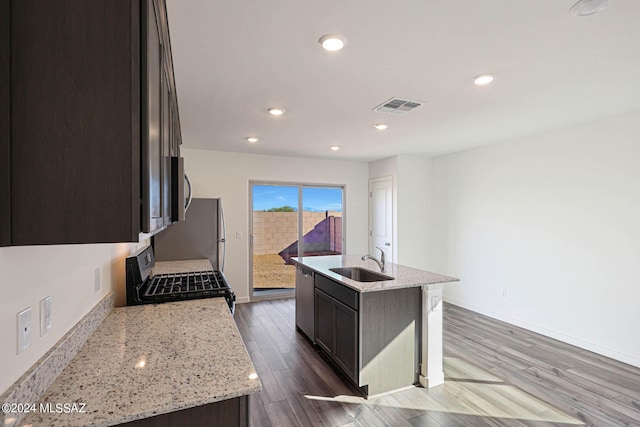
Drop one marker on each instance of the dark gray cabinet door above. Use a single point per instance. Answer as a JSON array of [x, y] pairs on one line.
[[337, 332], [82, 121], [5, 118], [74, 142], [345, 352], [166, 147], [325, 321], [233, 412], [152, 154], [176, 137]]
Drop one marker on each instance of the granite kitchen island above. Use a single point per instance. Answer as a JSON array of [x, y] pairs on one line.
[[384, 334]]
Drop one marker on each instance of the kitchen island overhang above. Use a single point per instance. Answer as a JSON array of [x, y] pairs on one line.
[[399, 323]]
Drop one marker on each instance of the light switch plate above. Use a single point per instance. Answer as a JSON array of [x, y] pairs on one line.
[[45, 316], [24, 329]]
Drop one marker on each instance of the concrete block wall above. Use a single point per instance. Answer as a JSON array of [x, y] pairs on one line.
[[274, 231]]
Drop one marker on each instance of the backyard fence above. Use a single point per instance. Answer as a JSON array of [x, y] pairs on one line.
[[274, 232]]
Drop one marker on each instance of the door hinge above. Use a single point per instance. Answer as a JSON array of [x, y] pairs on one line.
[[370, 194]]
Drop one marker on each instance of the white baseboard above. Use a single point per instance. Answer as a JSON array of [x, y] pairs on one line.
[[551, 333], [242, 300]]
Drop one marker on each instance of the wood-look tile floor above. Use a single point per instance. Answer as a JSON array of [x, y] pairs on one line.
[[496, 375]]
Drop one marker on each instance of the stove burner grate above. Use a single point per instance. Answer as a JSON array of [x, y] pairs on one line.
[[186, 285]]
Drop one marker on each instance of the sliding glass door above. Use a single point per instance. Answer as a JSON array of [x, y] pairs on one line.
[[274, 228], [321, 221], [282, 216]]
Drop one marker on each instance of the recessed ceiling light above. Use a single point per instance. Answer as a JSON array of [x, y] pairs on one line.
[[588, 7], [332, 42], [380, 126], [252, 139], [276, 111], [334, 148], [483, 79]]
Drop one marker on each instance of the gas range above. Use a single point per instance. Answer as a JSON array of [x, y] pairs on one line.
[[142, 287]]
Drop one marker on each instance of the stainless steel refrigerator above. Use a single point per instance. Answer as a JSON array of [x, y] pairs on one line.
[[201, 235]]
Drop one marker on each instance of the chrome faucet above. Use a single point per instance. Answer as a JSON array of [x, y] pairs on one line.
[[380, 261]]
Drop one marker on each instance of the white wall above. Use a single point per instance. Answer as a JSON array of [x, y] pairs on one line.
[[227, 175], [66, 274], [553, 219], [411, 206], [414, 210]]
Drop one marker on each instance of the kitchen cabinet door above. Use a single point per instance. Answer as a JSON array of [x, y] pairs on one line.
[[325, 324], [82, 121], [337, 332], [233, 412], [5, 117], [74, 142], [345, 352], [175, 129], [152, 149], [166, 147]]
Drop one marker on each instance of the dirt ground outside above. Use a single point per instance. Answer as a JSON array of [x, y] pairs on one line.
[[271, 272]]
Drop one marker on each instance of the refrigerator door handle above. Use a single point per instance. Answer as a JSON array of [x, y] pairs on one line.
[[190, 196], [223, 240], [224, 253]]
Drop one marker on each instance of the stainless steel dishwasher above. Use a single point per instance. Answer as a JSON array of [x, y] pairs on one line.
[[305, 301]]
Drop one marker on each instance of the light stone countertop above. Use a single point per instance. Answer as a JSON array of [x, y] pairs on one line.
[[151, 359], [404, 277]]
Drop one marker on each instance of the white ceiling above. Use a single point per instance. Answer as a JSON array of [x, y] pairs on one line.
[[235, 58]]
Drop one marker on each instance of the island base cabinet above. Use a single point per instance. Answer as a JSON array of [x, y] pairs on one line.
[[337, 332], [372, 337], [226, 413], [389, 339]]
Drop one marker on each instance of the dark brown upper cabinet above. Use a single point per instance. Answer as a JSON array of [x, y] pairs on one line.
[[151, 114], [5, 119], [85, 139]]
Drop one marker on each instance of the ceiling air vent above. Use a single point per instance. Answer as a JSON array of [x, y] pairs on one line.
[[397, 106]]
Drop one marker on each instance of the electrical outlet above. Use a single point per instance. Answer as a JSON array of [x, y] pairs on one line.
[[435, 303], [238, 235], [24, 329], [96, 281], [503, 292], [45, 316]]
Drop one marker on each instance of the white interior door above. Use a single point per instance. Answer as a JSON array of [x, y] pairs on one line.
[[381, 217]]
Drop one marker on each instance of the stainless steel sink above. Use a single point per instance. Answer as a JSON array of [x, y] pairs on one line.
[[361, 274]]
